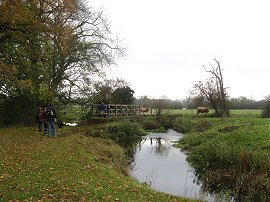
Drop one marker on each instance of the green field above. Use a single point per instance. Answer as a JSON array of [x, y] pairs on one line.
[[233, 113], [76, 113], [84, 164]]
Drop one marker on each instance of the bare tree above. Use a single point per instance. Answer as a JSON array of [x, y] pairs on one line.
[[213, 90], [160, 104]]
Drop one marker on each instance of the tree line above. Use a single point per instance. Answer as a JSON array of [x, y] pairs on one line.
[[188, 103]]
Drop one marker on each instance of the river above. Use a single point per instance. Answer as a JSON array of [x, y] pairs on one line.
[[164, 167]]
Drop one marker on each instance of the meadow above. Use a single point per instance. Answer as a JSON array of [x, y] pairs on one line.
[[85, 163], [75, 166], [256, 113]]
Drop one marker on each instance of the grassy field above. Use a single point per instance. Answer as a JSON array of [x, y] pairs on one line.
[[234, 113], [75, 113], [72, 167], [75, 167]]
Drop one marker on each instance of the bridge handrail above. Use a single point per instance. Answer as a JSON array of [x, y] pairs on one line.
[[115, 110]]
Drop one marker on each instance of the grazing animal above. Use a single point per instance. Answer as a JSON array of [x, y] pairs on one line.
[[202, 110], [144, 110]]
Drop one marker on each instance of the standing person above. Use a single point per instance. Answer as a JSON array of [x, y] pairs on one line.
[[50, 114], [40, 117], [102, 109]]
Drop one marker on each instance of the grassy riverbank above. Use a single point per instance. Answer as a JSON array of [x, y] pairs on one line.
[[232, 156], [72, 167]]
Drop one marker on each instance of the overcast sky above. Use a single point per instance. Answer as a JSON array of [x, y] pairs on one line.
[[169, 41]]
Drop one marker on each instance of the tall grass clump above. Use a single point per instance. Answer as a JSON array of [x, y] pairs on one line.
[[183, 124], [202, 125]]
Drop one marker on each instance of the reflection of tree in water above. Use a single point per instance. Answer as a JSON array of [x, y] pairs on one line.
[[162, 147], [130, 145]]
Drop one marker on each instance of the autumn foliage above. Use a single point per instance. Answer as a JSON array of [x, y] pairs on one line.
[[52, 47]]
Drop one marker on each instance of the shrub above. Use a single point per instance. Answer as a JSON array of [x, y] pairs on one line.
[[167, 121], [123, 130], [150, 124], [183, 124]]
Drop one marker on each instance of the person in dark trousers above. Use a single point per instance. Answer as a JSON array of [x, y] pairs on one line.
[[102, 109], [51, 116], [40, 117]]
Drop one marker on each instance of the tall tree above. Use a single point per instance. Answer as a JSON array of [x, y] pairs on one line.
[[80, 45], [213, 90], [52, 50], [123, 95], [54, 45], [19, 46], [104, 90]]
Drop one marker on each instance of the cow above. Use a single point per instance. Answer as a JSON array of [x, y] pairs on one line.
[[144, 110], [202, 110]]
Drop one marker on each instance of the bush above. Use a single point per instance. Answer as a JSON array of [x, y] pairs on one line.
[[166, 121], [150, 124], [183, 124], [123, 130]]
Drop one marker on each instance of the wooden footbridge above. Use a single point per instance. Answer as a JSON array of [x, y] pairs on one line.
[[114, 111]]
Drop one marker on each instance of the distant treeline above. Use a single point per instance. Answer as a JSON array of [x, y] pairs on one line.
[[234, 103]]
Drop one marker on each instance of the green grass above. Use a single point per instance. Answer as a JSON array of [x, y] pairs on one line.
[[234, 112], [255, 113], [71, 167]]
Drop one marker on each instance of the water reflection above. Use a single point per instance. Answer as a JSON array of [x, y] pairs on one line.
[[164, 167]]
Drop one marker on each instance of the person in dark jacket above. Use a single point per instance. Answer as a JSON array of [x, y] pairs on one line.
[[51, 116], [102, 109], [40, 117]]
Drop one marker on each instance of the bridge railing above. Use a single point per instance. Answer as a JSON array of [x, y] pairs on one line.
[[114, 110]]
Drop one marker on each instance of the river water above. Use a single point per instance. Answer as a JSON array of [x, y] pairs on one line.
[[164, 167]]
